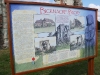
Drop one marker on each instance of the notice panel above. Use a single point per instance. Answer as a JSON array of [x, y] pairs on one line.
[[44, 36]]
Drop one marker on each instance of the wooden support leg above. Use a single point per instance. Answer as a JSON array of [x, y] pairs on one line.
[[91, 66]]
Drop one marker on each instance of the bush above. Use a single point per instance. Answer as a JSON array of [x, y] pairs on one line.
[[98, 25]]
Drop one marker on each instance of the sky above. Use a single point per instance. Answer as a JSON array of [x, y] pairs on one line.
[[92, 4], [86, 3]]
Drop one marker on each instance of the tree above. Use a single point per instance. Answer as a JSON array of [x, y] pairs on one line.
[[98, 25]]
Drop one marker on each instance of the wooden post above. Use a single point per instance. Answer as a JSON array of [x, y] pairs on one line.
[[61, 2], [91, 66]]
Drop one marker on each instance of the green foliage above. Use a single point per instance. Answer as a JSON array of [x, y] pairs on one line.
[[98, 25]]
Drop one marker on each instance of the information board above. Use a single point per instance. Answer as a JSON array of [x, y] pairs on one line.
[[48, 35]]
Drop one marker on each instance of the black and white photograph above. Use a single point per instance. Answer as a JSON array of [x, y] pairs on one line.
[[45, 45], [44, 23], [77, 23], [62, 36], [77, 42]]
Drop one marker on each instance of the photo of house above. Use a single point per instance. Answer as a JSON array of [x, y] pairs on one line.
[[44, 23]]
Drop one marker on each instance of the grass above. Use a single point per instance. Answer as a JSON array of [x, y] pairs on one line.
[[4, 62], [79, 68]]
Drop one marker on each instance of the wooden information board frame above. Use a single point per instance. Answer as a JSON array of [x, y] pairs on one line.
[[10, 33]]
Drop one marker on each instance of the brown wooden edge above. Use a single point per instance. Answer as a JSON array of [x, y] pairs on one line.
[[96, 32], [10, 39], [61, 2], [53, 66]]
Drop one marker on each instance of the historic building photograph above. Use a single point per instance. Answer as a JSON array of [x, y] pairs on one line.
[[45, 45], [77, 42], [62, 36], [44, 23], [77, 23]]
